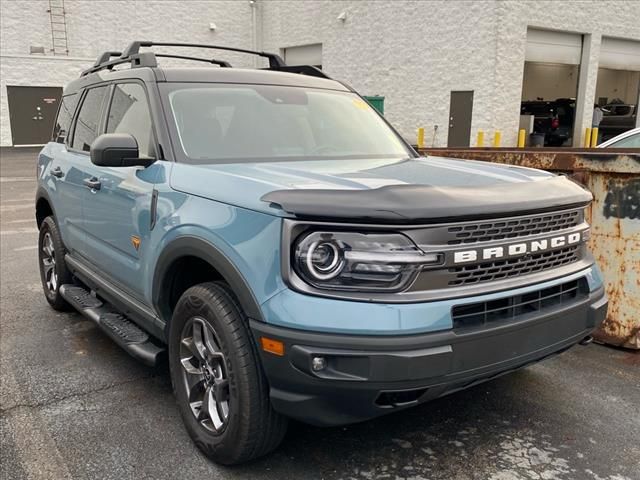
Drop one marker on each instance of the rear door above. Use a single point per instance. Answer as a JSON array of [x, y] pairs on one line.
[[117, 214]]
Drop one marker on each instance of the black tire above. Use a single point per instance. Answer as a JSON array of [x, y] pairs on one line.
[[251, 428], [52, 275]]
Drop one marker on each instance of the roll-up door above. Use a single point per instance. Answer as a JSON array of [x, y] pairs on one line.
[[618, 54], [304, 55], [546, 46]]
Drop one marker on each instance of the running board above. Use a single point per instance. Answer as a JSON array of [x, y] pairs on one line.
[[135, 341]]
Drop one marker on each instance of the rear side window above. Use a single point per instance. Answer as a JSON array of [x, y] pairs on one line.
[[632, 141], [65, 115], [88, 121], [129, 113]]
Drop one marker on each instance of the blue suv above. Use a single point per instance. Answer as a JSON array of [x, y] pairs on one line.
[[289, 254]]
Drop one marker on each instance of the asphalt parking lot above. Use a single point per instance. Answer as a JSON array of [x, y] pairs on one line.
[[73, 405]]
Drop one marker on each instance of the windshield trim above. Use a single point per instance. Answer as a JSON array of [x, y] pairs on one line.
[[181, 157]]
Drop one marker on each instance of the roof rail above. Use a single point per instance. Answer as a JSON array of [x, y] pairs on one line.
[[220, 63], [303, 70], [146, 59], [105, 57], [133, 56], [275, 61]]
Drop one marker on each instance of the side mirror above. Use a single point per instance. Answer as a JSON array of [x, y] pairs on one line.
[[117, 150]]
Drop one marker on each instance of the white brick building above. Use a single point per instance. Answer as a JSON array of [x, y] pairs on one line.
[[413, 53]]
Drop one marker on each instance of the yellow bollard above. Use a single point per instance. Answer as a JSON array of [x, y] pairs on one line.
[[421, 137], [496, 138], [587, 137], [594, 137], [480, 141], [521, 137]]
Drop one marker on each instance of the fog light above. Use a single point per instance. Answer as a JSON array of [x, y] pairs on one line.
[[318, 363]]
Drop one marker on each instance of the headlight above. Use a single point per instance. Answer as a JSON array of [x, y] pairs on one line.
[[359, 261]]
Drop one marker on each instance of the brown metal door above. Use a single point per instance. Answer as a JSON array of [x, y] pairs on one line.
[[32, 111], [460, 111]]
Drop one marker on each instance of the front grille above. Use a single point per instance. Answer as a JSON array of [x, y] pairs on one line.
[[515, 307], [513, 228], [501, 269]]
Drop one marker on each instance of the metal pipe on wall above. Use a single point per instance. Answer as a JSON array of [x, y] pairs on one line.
[[254, 29]]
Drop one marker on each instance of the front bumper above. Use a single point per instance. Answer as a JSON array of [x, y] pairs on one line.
[[368, 376]]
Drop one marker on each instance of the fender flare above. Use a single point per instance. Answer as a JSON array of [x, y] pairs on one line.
[[41, 193], [189, 245]]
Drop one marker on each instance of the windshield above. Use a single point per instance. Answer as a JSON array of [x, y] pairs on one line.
[[224, 122]]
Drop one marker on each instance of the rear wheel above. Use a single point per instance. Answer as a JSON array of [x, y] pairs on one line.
[[217, 379], [53, 269]]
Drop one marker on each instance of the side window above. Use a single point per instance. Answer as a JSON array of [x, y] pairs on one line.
[[65, 115], [88, 121], [129, 113], [632, 141]]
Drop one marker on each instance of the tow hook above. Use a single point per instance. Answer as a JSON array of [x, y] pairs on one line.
[[586, 340]]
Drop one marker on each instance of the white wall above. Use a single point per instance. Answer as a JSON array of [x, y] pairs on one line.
[[415, 53], [96, 26], [412, 52]]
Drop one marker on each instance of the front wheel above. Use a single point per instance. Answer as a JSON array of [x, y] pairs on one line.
[[217, 379], [53, 269]]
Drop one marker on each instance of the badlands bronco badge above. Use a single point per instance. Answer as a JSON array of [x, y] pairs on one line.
[[519, 249]]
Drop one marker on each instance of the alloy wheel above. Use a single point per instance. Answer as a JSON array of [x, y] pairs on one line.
[[49, 263], [204, 375]]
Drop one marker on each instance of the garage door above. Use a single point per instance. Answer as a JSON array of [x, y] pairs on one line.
[[620, 54], [304, 55], [545, 46], [32, 111]]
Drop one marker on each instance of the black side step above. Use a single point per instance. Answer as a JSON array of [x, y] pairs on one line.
[[121, 330]]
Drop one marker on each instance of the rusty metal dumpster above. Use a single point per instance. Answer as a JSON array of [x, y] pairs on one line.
[[613, 176]]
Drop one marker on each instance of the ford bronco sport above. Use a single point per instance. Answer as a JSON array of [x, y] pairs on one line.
[[272, 236]]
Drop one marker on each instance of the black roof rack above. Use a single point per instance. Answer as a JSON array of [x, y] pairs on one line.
[[146, 59], [105, 57], [133, 56], [275, 61], [220, 63], [303, 70]]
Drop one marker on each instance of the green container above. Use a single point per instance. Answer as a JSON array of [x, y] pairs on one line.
[[376, 102]]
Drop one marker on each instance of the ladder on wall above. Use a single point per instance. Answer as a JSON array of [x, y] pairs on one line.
[[59, 44]]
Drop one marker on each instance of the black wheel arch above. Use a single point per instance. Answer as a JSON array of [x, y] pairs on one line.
[[43, 206], [192, 246]]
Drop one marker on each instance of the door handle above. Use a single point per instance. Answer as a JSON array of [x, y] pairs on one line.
[[57, 172], [93, 183]]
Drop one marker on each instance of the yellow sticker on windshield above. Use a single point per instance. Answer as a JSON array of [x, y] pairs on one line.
[[360, 104]]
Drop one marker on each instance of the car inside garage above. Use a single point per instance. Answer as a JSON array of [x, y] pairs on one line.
[[550, 86], [618, 86]]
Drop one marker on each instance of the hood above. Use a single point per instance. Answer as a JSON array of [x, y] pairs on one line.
[[364, 189]]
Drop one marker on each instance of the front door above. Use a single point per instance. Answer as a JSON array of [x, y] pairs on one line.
[[117, 209], [460, 111], [32, 111]]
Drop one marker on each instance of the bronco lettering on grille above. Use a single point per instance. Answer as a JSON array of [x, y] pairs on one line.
[[517, 249]]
